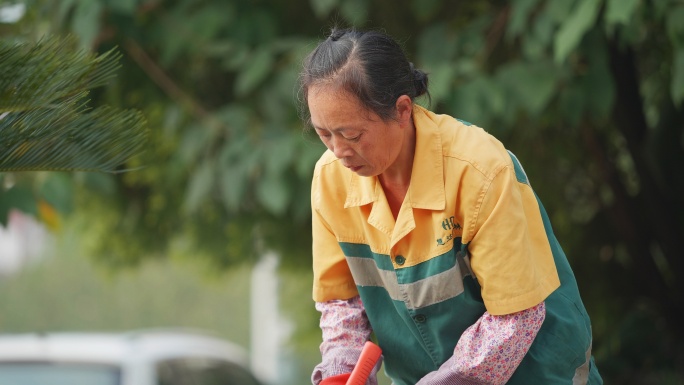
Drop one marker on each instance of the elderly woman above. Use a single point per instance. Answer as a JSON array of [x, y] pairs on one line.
[[427, 233]]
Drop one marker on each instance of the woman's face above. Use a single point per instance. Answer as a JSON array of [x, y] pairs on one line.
[[364, 143]]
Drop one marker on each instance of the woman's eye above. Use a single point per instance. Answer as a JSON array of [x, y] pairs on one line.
[[354, 138]]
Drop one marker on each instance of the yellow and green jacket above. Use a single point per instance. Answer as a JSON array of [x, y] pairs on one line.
[[471, 236]]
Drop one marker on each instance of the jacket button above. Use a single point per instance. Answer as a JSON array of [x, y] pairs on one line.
[[420, 318], [399, 260]]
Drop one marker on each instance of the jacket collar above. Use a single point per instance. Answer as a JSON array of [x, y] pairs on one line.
[[426, 189]]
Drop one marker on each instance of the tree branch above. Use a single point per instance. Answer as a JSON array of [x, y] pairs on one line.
[[659, 214], [159, 77]]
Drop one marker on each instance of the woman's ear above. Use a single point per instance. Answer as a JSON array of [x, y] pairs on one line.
[[404, 107]]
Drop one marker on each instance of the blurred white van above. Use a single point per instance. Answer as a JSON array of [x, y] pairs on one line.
[[135, 358]]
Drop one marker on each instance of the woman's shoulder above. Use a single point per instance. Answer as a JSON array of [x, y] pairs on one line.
[[468, 145]]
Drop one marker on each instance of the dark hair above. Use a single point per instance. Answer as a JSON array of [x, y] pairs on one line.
[[369, 65]]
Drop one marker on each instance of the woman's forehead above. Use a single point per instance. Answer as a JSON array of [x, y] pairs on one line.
[[330, 92]]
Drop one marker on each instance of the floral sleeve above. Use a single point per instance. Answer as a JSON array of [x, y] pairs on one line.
[[345, 330], [490, 350]]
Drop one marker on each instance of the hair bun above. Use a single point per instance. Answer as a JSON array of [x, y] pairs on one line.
[[420, 80], [337, 33]]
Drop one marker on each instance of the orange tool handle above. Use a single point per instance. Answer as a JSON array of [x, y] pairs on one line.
[[369, 357]]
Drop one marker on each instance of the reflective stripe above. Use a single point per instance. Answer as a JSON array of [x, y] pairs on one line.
[[422, 293], [366, 273], [464, 263], [415, 295], [582, 373]]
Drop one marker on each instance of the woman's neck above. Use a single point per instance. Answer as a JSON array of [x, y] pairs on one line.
[[395, 180]]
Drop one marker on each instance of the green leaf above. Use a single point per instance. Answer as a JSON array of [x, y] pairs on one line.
[[322, 8], [123, 6], [280, 153], [531, 85], [65, 6], [308, 154], [542, 31], [520, 11], [238, 56], [620, 11], [236, 117], [86, 21], [572, 104], [677, 85], [254, 72], [355, 11], [597, 82], [478, 100], [58, 191], [195, 141], [436, 44], [199, 187], [273, 193], [675, 26], [660, 7], [173, 115], [20, 198], [533, 48], [558, 11], [233, 185], [441, 80], [101, 183], [209, 20], [575, 27], [425, 9]]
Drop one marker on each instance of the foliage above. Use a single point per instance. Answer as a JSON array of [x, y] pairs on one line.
[[45, 123], [587, 93]]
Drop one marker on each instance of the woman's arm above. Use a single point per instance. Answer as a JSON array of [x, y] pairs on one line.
[[490, 350], [345, 330]]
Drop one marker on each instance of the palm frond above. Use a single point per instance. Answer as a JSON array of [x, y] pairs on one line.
[[44, 121], [59, 139]]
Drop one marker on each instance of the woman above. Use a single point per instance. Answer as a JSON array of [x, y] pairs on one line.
[[427, 233]]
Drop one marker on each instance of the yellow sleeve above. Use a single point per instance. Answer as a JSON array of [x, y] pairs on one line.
[[332, 277], [509, 251]]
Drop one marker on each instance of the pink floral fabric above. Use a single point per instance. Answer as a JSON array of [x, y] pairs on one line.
[[345, 330], [343, 323], [490, 350], [493, 347], [487, 353]]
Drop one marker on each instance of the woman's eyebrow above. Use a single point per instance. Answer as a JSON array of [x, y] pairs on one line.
[[336, 129]]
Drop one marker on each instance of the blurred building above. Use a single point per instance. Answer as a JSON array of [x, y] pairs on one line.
[[23, 241]]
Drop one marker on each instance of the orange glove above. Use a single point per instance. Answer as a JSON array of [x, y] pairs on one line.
[[340, 379]]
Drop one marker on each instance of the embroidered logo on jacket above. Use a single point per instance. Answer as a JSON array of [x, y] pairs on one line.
[[448, 224]]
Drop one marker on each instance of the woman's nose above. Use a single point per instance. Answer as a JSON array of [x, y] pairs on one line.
[[340, 148]]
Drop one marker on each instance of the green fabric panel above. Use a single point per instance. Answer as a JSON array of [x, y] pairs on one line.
[[415, 286], [430, 342], [519, 172], [464, 122], [410, 274], [561, 345], [436, 265]]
